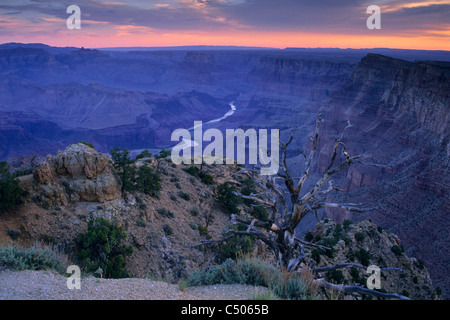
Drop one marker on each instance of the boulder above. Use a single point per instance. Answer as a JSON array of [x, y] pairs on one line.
[[79, 173]]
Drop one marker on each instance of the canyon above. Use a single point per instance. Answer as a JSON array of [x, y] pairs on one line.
[[397, 102]]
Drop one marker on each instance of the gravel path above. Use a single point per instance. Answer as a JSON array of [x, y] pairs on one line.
[[49, 285]]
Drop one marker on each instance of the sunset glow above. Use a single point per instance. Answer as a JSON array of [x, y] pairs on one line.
[[263, 23]]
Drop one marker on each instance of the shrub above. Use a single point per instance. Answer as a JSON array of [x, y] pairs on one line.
[[354, 273], [167, 230], [315, 254], [397, 250], [101, 247], [10, 191], [207, 178], [142, 179], [184, 195], [120, 157], [346, 224], [247, 188], [309, 236], [363, 256], [227, 198], [13, 234], [203, 230], [90, 145], [121, 160], [148, 181], [260, 213], [194, 211], [193, 170], [164, 212], [164, 153], [236, 246], [255, 272], [336, 276], [193, 225], [34, 258], [359, 236], [144, 154]]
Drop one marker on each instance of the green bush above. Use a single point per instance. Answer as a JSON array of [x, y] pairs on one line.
[[143, 179], [336, 276], [397, 250], [90, 145], [10, 191], [184, 195], [359, 236], [148, 181], [13, 234], [309, 236], [247, 188], [260, 213], [167, 230], [363, 256], [203, 231], [227, 198], [34, 258], [193, 225], [346, 224], [120, 157], [144, 154], [192, 170], [121, 160], [101, 247], [164, 153], [315, 254], [207, 178], [235, 247]]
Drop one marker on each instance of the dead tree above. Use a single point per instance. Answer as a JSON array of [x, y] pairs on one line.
[[288, 204], [279, 233]]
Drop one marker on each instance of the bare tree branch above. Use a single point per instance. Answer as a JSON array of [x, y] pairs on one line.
[[357, 289], [260, 224], [310, 157], [315, 245]]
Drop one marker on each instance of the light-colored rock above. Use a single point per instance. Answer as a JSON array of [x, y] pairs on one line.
[[79, 173]]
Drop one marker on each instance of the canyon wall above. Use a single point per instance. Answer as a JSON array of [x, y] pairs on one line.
[[399, 112]]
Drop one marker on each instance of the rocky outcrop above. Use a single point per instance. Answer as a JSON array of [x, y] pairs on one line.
[[78, 184], [79, 173], [365, 244]]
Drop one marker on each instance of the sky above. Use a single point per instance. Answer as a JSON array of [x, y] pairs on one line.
[[406, 24]]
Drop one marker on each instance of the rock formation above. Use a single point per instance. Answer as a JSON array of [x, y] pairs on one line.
[[365, 244], [79, 173]]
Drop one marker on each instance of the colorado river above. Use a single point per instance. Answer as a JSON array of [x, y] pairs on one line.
[[192, 143], [226, 115]]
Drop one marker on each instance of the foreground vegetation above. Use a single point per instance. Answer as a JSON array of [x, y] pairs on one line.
[[256, 272], [37, 257]]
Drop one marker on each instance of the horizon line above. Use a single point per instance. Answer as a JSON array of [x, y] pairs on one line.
[[218, 46]]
